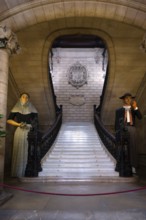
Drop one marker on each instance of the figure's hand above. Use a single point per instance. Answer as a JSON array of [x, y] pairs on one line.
[[134, 104], [22, 125]]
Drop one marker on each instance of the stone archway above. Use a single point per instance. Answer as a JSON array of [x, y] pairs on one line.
[[106, 38], [26, 14]]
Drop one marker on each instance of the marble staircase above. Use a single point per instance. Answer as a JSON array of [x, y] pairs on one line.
[[78, 154]]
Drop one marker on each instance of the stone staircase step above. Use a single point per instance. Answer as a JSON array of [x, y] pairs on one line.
[[81, 165], [78, 153], [79, 149], [78, 168], [65, 174], [76, 160], [77, 156]]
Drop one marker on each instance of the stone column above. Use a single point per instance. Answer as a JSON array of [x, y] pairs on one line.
[[8, 46]]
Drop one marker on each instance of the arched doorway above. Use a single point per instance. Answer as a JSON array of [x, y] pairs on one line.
[[78, 66]]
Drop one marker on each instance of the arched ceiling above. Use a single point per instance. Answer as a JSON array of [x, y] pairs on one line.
[[23, 13], [37, 23]]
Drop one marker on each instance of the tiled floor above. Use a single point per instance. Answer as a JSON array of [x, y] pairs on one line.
[[33, 206]]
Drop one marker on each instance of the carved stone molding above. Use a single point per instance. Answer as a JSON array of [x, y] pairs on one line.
[[8, 40], [77, 75], [143, 44], [77, 100]]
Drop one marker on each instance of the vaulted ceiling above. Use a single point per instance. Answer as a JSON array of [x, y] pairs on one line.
[[120, 24]]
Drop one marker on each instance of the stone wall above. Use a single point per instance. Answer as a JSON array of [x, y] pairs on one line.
[[78, 77]]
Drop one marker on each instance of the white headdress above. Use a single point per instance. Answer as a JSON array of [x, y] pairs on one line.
[[25, 109]]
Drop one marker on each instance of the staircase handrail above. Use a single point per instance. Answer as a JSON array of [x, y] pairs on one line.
[[118, 149], [39, 144], [49, 137], [107, 138]]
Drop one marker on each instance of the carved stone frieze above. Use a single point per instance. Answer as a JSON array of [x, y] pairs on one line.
[[77, 100], [8, 40], [77, 75]]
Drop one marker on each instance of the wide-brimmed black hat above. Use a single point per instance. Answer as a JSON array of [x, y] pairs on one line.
[[125, 95]]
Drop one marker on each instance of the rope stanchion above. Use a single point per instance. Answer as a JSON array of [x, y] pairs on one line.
[[68, 194]]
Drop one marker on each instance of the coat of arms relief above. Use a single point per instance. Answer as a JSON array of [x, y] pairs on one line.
[[77, 75]]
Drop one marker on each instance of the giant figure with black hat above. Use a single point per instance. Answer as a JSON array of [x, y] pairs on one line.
[[126, 132]]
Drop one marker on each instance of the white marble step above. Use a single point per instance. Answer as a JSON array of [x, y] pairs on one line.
[[78, 146], [71, 156], [78, 175], [79, 165], [77, 160], [78, 152]]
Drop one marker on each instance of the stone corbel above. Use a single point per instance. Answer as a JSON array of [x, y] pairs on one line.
[[143, 44], [8, 40]]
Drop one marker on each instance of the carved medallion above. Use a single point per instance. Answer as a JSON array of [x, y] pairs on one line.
[[77, 75], [77, 99]]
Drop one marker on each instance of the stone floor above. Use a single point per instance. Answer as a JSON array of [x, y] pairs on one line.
[[26, 205], [78, 200]]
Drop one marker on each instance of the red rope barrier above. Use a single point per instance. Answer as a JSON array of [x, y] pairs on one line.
[[66, 194]]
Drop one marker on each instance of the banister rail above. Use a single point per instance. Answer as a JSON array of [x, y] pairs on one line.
[[39, 144], [118, 149], [49, 137], [107, 138]]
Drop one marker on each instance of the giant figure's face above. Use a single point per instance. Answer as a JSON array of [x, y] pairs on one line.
[[127, 100], [24, 99]]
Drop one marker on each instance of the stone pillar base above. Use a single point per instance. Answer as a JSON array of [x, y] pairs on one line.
[[5, 196]]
